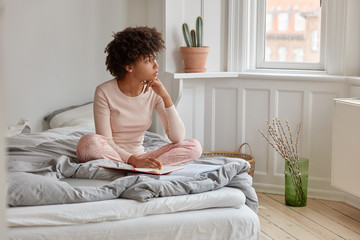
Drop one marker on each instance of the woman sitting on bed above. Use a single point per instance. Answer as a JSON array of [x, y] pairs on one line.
[[123, 106]]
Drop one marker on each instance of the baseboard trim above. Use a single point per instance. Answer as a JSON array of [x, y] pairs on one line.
[[312, 193]]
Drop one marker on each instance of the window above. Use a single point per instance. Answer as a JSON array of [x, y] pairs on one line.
[[283, 21], [251, 44], [294, 34], [298, 55], [269, 21], [282, 54], [300, 22], [267, 53], [315, 40]]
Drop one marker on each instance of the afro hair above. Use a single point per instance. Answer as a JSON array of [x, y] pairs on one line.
[[129, 45]]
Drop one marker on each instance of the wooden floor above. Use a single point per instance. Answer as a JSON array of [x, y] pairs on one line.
[[320, 219]]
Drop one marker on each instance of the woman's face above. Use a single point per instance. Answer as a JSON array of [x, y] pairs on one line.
[[146, 68]]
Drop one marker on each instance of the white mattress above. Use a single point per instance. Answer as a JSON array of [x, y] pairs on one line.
[[207, 224], [120, 209], [219, 214]]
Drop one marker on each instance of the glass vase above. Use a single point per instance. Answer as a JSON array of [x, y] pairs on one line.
[[296, 182]]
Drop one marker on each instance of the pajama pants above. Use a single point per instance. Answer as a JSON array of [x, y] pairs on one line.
[[95, 146]]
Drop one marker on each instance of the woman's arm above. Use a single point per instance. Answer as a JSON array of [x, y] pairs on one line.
[[160, 90], [173, 125]]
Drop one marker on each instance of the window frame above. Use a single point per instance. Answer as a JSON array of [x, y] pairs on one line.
[[340, 51], [241, 50], [260, 26]]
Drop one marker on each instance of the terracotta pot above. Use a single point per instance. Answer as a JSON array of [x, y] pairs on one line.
[[194, 58]]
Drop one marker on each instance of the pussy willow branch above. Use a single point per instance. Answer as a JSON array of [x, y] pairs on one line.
[[293, 150], [283, 136], [281, 141], [276, 143], [297, 138], [275, 147], [284, 144], [278, 134]]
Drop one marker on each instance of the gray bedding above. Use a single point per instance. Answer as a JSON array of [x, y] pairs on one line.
[[38, 162]]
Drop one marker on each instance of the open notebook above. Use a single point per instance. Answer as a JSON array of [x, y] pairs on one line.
[[163, 170], [189, 170]]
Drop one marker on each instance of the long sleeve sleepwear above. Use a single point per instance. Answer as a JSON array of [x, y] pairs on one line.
[[123, 120]]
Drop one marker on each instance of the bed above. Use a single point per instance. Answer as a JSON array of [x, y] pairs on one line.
[[52, 196]]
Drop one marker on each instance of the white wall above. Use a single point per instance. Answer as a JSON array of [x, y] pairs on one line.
[[352, 37], [54, 52], [224, 112], [186, 11], [215, 30], [3, 169], [3, 184]]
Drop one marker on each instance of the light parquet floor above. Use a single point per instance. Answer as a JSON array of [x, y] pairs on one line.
[[320, 219]]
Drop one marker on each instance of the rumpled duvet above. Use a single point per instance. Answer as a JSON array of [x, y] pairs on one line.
[[38, 162]]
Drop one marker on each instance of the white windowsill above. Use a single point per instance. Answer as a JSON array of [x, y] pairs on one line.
[[271, 75], [289, 75], [204, 75]]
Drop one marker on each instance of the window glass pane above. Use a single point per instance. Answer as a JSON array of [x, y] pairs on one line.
[[315, 40], [300, 22], [269, 21], [283, 21], [299, 54], [294, 33], [282, 54], [267, 53]]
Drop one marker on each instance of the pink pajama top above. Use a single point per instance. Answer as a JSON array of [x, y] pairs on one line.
[[123, 120]]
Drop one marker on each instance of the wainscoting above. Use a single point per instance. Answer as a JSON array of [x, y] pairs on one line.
[[224, 111]]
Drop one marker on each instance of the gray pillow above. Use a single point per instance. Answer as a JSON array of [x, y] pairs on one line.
[[77, 115]]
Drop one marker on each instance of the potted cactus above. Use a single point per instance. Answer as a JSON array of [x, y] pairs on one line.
[[194, 54]]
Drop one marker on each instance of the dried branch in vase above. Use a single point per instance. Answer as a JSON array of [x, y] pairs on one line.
[[282, 141], [287, 146]]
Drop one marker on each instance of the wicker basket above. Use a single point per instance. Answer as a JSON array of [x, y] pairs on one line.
[[239, 154]]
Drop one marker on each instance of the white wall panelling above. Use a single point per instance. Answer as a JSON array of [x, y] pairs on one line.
[[224, 112], [255, 109], [193, 103], [235, 108]]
